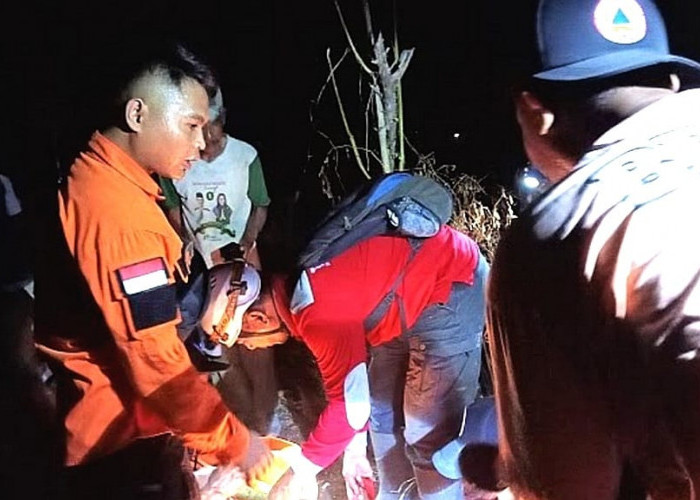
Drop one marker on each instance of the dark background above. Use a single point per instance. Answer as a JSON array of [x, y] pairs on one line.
[[270, 57]]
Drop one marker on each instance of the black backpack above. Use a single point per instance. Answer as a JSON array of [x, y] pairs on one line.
[[398, 203]]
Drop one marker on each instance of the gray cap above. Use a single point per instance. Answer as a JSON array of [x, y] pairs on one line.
[[479, 425]]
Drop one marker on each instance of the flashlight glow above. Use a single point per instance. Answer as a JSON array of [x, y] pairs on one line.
[[530, 182]]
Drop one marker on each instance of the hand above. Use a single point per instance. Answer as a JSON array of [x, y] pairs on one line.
[[188, 255], [217, 258], [294, 487], [258, 459], [223, 483], [246, 246], [184, 263], [358, 475]]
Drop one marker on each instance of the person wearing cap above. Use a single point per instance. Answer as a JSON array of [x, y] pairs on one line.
[[594, 298], [106, 312], [471, 456], [418, 314]]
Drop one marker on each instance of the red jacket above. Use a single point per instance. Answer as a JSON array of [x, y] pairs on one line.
[[330, 303]]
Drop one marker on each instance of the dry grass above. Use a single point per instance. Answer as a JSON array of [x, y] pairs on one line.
[[480, 213]]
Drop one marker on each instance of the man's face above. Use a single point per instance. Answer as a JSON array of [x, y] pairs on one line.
[[215, 139], [262, 326], [538, 132], [171, 136], [263, 341]]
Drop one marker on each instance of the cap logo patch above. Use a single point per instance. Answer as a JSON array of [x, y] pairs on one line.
[[620, 21]]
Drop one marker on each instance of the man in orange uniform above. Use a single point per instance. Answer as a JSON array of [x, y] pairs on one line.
[[127, 391]]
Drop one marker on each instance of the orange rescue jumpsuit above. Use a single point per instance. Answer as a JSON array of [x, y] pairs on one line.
[[107, 319]]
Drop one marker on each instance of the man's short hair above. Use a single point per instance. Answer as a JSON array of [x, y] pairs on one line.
[[559, 95], [172, 60], [140, 57]]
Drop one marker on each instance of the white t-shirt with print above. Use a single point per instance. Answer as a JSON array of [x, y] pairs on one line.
[[215, 199]]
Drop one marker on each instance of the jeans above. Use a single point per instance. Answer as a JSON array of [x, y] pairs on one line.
[[420, 383]]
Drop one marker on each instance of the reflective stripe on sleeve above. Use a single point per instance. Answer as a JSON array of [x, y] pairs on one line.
[[356, 389]]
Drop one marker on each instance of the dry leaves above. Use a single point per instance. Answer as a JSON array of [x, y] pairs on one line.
[[480, 213]]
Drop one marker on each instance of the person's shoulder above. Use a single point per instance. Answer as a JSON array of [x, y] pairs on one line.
[[669, 213], [95, 185], [450, 235], [110, 202], [241, 147]]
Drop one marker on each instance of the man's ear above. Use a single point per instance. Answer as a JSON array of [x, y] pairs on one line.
[[135, 112], [256, 320], [533, 114]]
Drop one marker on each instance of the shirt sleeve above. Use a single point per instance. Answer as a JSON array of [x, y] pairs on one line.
[[341, 356], [172, 198], [11, 202], [141, 316], [257, 189]]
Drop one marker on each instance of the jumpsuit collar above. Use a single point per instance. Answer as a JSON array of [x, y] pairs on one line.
[[119, 160]]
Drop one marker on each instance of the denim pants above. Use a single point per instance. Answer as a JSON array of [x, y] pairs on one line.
[[420, 383]]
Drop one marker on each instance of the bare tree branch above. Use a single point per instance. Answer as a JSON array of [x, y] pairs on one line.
[[368, 21], [344, 117], [330, 75], [350, 42]]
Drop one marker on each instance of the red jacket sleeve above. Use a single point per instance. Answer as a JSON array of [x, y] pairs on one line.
[[341, 354]]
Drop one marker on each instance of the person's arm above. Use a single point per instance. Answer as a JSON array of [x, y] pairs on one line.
[[341, 355], [11, 203], [260, 200], [141, 316], [256, 221], [174, 215], [17, 232], [172, 206]]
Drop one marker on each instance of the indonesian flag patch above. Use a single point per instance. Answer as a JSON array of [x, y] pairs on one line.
[[143, 276]]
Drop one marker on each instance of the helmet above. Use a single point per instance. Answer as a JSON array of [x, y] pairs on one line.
[[220, 288]]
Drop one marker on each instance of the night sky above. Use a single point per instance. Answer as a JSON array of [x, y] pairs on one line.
[[270, 57]]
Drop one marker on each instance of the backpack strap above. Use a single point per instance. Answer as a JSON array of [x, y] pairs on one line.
[[381, 309]]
